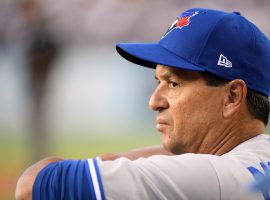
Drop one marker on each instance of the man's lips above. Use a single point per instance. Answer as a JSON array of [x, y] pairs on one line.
[[161, 124]]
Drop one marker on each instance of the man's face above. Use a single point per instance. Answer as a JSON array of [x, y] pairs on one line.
[[188, 110]]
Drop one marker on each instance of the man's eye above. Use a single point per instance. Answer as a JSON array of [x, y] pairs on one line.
[[173, 84]]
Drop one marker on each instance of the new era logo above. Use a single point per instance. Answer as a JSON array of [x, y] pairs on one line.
[[223, 61]]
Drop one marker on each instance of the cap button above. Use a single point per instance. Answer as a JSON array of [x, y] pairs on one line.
[[237, 13]]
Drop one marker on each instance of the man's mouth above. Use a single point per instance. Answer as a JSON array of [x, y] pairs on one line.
[[161, 124]]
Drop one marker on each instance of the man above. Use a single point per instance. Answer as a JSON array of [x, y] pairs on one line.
[[213, 75]]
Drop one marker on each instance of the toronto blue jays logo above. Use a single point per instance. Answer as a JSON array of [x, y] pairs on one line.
[[182, 21]]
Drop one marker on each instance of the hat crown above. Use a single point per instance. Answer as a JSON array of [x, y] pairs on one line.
[[226, 44]]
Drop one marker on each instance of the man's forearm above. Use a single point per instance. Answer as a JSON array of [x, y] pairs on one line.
[[137, 153]]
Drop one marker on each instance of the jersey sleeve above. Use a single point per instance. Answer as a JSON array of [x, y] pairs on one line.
[[160, 177], [69, 179]]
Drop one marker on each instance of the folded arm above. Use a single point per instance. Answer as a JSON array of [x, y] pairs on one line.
[[56, 171]]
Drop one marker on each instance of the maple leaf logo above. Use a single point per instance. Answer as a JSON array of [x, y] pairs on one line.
[[182, 21]]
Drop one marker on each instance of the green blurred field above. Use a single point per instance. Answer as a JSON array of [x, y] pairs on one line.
[[15, 152]]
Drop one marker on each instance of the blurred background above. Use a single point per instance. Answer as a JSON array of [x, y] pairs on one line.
[[65, 91]]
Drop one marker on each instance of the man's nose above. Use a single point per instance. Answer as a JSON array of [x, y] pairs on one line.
[[158, 101]]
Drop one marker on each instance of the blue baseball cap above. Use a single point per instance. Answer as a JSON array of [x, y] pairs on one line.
[[225, 44]]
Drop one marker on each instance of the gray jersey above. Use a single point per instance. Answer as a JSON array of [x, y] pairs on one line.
[[189, 176]]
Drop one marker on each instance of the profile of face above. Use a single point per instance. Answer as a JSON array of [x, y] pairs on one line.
[[187, 109]]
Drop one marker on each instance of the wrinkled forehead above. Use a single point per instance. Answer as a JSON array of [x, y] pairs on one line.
[[166, 72]]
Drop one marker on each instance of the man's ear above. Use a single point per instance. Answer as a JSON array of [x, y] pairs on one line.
[[235, 95]]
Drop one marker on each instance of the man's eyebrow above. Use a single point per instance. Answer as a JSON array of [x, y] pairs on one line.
[[183, 75], [165, 75]]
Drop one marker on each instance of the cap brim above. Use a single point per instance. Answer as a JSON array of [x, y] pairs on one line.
[[151, 54]]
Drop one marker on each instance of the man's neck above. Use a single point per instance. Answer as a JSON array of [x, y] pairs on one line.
[[231, 135]]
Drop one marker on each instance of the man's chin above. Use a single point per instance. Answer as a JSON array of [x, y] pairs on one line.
[[173, 148], [167, 146]]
